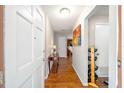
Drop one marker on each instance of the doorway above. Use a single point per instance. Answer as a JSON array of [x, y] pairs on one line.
[[69, 48], [98, 36]]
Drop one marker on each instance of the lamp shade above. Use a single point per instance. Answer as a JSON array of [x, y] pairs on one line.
[[54, 46]]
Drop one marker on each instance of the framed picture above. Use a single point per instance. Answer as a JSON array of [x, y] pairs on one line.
[[77, 36]]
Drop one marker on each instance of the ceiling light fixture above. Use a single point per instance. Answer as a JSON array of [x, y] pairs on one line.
[[64, 11]]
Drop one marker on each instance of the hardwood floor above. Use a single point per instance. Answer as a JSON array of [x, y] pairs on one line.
[[66, 77], [100, 82]]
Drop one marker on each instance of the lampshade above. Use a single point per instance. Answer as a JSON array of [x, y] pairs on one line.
[[54, 46]]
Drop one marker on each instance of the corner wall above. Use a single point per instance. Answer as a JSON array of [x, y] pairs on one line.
[[80, 53]]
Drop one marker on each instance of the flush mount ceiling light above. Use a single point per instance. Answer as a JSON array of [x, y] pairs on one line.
[[64, 11]]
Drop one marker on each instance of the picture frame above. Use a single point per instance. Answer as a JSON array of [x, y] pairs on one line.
[[77, 36]]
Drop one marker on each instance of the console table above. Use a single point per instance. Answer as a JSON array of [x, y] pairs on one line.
[[55, 60]]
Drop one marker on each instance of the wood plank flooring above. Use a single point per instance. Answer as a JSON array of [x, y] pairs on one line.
[[66, 77]]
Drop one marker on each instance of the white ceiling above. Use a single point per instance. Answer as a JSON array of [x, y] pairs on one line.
[[59, 22]]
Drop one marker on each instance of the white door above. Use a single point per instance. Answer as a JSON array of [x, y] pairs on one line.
[[62, 46], [24, 42], [101, 43]]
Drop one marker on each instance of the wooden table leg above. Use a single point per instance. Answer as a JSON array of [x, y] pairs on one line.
[[49, 65], [57, 67]]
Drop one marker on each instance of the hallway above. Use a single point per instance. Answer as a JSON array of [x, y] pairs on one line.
[[42, 32], [66, 77]]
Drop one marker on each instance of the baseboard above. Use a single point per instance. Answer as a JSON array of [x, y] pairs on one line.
[[102, 75], [84, 84]]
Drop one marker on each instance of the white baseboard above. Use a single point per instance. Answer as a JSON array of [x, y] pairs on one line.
[[102, 75], [84, 84]]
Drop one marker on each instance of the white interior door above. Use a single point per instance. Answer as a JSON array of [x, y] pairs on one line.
[[62, 46], [101, 43], [24, 45]]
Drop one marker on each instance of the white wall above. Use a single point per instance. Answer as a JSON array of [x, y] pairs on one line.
[[80, 53], [95, 19], [49, 43], [102, 34], [49, 37]]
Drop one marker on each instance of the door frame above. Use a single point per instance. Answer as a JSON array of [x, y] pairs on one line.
[[113, 46], [122, 46], [2, 42]]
